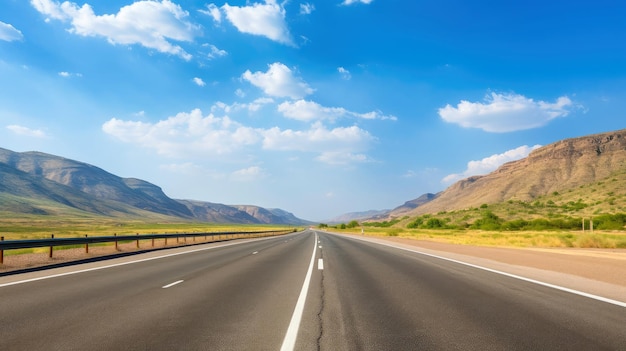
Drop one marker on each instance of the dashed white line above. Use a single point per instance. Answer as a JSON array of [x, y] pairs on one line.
[[172, 284], [320, 264], [255, 252]]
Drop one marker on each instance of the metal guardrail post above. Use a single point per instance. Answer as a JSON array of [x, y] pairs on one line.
[[115, 235], [50, 252], [86, 245], [137, 240], [2, 252]]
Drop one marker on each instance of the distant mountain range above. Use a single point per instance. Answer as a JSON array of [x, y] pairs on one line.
[[39, 183], [557, 167]]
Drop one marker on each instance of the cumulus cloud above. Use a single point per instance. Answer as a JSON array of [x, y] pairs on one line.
[[318, 139], [25, 131], [490, 164], [194, 135], [9, 33], [306, 9], [350, 2], [264, 19], [303, 110], [501, 113], [184, 134], [278, 81], [199, 82], [152, 24]]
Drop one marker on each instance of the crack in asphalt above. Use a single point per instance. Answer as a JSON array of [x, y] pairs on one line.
[[321, 310]]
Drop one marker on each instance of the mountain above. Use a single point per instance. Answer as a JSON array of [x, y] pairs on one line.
[[358, 216], [377, 215], [415, 203], [557, 167], [94, 181], [39, 183]]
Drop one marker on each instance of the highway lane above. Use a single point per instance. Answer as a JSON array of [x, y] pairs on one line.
[[238, 297], [373, 297], [362, 296]]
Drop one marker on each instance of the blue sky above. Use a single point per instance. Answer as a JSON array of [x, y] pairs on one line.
[[316, 107]]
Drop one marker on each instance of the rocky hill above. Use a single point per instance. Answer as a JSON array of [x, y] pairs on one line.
[[557, 167], [39, 183]]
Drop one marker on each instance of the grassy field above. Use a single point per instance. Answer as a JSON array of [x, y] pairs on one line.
[[38, 227], [597, 239]]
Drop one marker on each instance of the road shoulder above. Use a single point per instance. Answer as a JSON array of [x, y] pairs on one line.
[[599, 272]]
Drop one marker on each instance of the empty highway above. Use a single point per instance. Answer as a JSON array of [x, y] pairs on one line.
[[302, 291]]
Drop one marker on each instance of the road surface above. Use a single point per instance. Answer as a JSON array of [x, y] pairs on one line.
[[302, 291]]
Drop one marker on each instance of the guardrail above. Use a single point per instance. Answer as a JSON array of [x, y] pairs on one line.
[[53, 242]]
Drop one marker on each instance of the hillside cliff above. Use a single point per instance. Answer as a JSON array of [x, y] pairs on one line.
[[552, 168]]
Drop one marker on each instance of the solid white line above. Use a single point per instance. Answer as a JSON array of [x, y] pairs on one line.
[[320, 264], [538, 282], [172, 284], [292, 332], [122, 264]]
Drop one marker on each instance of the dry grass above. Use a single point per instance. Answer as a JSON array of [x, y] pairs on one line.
[[597, 239]]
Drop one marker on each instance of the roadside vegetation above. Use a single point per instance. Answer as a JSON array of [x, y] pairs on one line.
[[553, 220], [42, 227]]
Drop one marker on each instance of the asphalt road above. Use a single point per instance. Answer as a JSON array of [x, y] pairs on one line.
[[303, 291]]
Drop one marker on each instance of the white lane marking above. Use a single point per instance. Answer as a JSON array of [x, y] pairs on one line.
[[320, 264], [255, 252], [538, 282], [292, 332], [172, 284], [123, 263]]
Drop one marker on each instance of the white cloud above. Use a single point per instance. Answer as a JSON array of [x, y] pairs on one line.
[[215, 52], [345, 74], [152, 24], [490, 164], [266, 20], [306, 9], [184, 134], [303, 110], [279, 81], [194, 135], [213, 11], [24, 131], [318, 139], [252, 106], [505, 112], [350, 2], [65, 74], [199, 82], [342, 158], [9, 33], [248, 174]]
